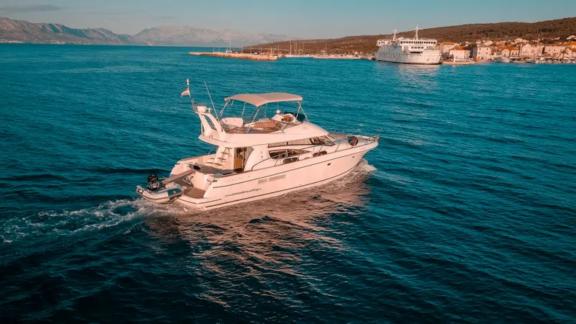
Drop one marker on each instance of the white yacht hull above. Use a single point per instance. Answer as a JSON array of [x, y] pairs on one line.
[[396, 55], [257, 157], [278, 180]]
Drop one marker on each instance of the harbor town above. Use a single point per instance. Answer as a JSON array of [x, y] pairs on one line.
[[519, 50]]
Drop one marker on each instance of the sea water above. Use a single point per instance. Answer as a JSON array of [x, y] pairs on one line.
[[466, 211]]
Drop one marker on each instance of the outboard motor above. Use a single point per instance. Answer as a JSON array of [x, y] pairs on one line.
[[154, 183]]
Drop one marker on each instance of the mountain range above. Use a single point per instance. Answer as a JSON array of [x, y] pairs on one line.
[[12, 30], [185, 35], [19, 31]]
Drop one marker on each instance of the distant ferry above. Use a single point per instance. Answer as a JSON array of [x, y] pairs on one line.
[[408, 50]]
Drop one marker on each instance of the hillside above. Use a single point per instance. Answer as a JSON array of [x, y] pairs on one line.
[[495, 31], [26, 32], [186, 35], [22, 31], [12, 30]]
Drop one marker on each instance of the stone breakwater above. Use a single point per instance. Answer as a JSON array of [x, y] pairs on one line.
[[243, 56]]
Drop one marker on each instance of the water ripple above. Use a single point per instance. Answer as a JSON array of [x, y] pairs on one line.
[[466, 211]]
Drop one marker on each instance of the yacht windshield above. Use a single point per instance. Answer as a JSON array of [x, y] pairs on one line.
[[250, 114]]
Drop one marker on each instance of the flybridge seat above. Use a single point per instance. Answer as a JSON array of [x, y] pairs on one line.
[[259, 127], [232, 122]]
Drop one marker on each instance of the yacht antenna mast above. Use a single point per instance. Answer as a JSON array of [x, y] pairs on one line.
[[416, 32], [211, 101], [394, 37]]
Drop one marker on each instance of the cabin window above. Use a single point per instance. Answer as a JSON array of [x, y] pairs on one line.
[[290, 160], [291, 143], [323, 140], [287, 153], [319, 153]]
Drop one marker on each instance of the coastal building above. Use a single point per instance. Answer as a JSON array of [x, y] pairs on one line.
[[531, 51], [510, 51], [554, 51], [518, 50], [570, 44], [459, 54], [446, 47], [481, 53]]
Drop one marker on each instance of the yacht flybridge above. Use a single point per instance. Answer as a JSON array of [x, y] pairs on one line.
[[257, 156]]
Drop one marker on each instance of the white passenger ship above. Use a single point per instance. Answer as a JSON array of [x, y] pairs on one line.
[[257, 157], [408, 50]]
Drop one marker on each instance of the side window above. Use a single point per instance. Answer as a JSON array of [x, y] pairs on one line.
[[324, 140], [316, 141], [287, 153]]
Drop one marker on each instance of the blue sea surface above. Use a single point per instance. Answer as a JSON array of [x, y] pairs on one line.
[[466, 212]]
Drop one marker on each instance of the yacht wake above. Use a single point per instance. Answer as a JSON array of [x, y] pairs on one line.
[[57, 223]]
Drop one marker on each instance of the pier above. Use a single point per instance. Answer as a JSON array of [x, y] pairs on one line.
[[242, 56]]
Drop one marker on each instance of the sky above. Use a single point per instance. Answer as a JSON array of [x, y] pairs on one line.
[[295, 18]]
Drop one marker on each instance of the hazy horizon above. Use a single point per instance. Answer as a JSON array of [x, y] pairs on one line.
[[321, 19]]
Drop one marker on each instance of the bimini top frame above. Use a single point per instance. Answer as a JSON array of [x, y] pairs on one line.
[[260, 99]]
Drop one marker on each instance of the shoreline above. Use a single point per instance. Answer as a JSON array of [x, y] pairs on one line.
[[263, 57], [271, 57]]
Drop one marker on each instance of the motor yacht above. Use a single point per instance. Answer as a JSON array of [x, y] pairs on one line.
[[257, 155]]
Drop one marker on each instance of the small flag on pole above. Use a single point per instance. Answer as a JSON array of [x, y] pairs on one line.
[[187, 91]]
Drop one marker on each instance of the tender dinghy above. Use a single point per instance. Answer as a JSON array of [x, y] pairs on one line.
[[164, 191], [161, 196]]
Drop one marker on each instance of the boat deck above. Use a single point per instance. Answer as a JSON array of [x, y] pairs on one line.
[[189, 190], [194, 192]]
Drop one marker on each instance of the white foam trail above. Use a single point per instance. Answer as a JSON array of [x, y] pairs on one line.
[[114, 213], [69, 222], [366, 167]]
